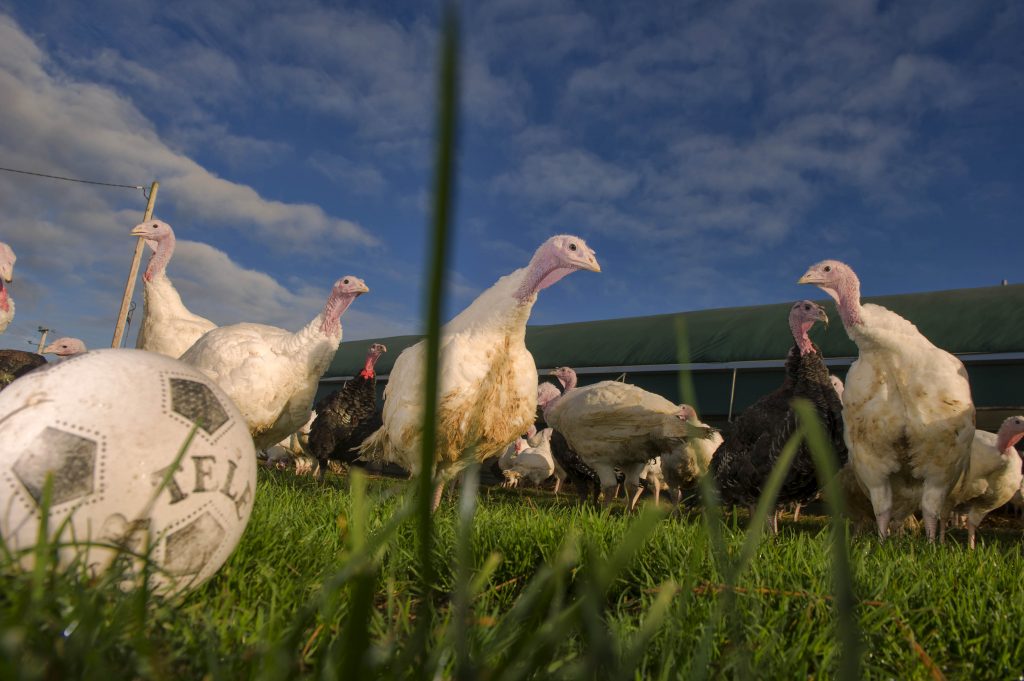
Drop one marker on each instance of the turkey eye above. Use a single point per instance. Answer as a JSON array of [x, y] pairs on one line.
[[807, 307], [344, 281], [572, 247], [828, 268]]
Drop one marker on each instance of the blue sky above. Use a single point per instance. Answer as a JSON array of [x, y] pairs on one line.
[[708, 151]]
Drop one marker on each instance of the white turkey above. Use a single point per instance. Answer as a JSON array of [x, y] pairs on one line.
[[532, 463], [568, 464], [994, 475], [488, 384], [65, 347], [7, 259], [616, 425], [907, 408], [272, 374], [167, 325], [683, 466], [507, 456]]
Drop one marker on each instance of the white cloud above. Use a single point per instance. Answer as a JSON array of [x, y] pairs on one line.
[[71, 239]]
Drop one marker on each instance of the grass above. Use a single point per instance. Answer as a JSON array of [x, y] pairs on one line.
[[917, 605]]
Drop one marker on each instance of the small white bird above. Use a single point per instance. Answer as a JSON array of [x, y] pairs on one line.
[[271, 374], [167, 327], [683, 466], [534, 463], [65, 347], [994, 475], [7, 259]]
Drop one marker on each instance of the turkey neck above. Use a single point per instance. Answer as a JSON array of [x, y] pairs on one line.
[[161, 256], [800, 329], [1005, 440], [847, 297], [5, 301], [330, 317], [371, 360]]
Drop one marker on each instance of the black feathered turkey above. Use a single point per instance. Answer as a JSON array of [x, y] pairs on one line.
[[347, 416], [16, 363], [753, 444]]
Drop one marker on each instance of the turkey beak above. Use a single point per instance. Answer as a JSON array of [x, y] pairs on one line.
[[810, 277], [50, 349], [822, 317], [7, 272], [592, 263], [138, 230]]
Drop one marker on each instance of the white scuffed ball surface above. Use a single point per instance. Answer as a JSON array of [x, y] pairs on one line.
[[109, 424]]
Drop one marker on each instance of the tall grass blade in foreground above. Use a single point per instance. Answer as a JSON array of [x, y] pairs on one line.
[[847, 629], [444, 195]]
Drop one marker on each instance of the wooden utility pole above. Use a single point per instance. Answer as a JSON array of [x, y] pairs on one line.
[[42, 338], [129, 287]]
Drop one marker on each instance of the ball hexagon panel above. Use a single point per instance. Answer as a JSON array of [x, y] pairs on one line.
[[198, 404], [70, 457], [188, 549]]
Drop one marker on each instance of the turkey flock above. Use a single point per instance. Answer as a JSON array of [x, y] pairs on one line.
[[901, 429]]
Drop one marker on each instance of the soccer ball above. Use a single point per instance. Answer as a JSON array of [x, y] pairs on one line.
[[99, 435]]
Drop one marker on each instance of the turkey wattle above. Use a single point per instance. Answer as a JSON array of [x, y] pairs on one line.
[[907, 408], [272, 374], [347, 416], [743, 462], [167, 325], [487, 394]]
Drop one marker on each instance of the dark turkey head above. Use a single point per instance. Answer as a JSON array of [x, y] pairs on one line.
[[557, 257], [372, 355], [65, 347], [802, 316], [344, 291], [1010, 433], [565, 376]]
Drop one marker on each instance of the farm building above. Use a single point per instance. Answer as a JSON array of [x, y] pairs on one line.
[[735, 355]]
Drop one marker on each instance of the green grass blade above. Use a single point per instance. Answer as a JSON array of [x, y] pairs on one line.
[[847, 627]]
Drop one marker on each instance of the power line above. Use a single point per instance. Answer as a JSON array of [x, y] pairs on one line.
[[73, 179]]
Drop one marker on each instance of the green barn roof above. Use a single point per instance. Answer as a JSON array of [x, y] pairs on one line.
[[986, 323], [978, 320]]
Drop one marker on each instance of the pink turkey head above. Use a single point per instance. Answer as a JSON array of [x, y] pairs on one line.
[[802, 316], [372, 355], [7, 259], [687, 413], [520, 445], [1010, 433], [344, 291], [160, 237], [565, 376], [546, 394], [557, 257], [834, 278], [65, 347]]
